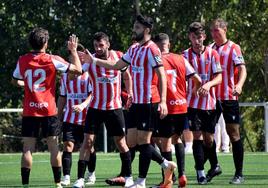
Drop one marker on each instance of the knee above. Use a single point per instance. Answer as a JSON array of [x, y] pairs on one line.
[[197, 135]]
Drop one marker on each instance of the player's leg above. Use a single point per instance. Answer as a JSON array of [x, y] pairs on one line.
[[26, 158], [232, 119], [198, 151], [210, 119], [29, 132], [115, 125], [180, 123], [188, 140], [91, 176], [92, 124], [51, 129], [225, 140], [68, 146]]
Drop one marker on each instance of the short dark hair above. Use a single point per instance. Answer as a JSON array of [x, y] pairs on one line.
[[38, 37], [197, 28], [101, 35], [219, 22], [161, 37], [146, 21]]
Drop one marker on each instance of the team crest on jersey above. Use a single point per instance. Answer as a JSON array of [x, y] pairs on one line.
[[158, 59]]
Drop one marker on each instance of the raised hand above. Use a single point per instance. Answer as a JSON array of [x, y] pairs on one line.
[[72, 43]]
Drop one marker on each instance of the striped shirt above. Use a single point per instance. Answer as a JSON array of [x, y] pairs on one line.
[[106, 85], [142, 60], [230, 58], [38, 71], [76, 91], [177, 70], [206, 65]]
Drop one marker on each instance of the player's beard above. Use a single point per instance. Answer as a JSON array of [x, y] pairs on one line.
[[137, 37]]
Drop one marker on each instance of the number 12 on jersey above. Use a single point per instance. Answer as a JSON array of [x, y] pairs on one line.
[[40, 74]]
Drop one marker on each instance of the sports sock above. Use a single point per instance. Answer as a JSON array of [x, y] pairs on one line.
[[211, 154], [198, 154], [238, 156], [92, 162], [180, 156], [25, 174], [167, 156], [145, 159], [156, 156], [81, 169], [126, 164], [56, 173], [133, 152], [66, 162]]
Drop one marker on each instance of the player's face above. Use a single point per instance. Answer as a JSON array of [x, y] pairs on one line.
[[138, 32], [197, 41], [218, 34], [163, 46], [101, 48]]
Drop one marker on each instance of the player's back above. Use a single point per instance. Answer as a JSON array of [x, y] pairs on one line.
[[38, 71]]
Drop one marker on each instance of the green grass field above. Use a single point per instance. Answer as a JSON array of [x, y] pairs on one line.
[[108, 165]]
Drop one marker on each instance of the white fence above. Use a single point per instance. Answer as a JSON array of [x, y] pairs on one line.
[[244, 104]]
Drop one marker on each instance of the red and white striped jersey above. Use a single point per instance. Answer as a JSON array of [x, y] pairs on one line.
[[230, 58], [177, 70], [143, 59], [76, 91], [38, 71], [106, 84], [206, 65]]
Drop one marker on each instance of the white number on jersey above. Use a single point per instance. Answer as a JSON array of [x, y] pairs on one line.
[[173, 75], [40, 74]]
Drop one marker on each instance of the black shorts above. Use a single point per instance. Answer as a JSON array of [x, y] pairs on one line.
[[230, 110], [202, 120], [113, 119], [49, 125], [143, 116], [72, 132], [171, 124]]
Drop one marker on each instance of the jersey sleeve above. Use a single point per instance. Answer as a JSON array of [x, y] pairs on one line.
[[154, 56], [127, 56], [16, 74], [216, 65], [237, 56], [189, 69], [60, 64], [63, 85]]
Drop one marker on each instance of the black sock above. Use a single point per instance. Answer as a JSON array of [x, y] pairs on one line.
[[212, 156], [133, 152], [92, 162], [66, 163], [198, 154], [81, 169], [25, 174], [156, 156], [180, 156], [238, 156], [126, 164], [57, 173], [145, 159]]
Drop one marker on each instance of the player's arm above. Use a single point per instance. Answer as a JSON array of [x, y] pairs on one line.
[[16, 82], [76, 67], [204, 89], [61, 104], [128, 83], [163, 91], [241, 80], [80, 107], [109, 64], [197, 82]]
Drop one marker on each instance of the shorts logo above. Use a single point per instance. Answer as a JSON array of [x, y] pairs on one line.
[[143, 124], [38, 105]]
